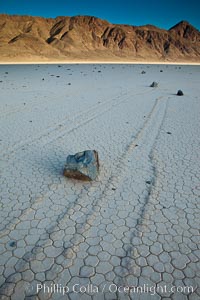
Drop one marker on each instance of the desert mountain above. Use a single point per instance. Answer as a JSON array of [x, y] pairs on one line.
[[26, 38]]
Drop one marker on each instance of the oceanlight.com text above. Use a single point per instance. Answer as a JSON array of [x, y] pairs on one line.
[[113, 289]]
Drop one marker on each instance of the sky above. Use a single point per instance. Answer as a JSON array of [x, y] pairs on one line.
[[161, 13]]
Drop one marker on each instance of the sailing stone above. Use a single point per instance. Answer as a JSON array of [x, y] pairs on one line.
[[83, 165]]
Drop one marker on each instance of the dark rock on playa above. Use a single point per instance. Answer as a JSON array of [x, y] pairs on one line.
[[83, 165], [148, 182], [154, 84], [12, 243], [179, 93]]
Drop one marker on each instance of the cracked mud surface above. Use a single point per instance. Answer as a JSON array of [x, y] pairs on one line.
[[138, 223]]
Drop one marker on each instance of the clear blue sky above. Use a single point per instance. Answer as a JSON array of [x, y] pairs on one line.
[[162, 13]]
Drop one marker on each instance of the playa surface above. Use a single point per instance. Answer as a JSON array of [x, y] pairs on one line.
[[138, 223]]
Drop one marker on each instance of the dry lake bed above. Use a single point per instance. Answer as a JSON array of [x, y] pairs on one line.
[[134, 232]]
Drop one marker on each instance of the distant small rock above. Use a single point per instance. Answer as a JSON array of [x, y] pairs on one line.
[[83, 165], [180, 93], [12, 244], [143, 72], [154, 84], [148, 182], [161, 71]]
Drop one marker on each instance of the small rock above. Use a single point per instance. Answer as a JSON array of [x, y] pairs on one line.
[[143, 72], [154, 84], [12, 244], [180, 93], [148, 182], [83, 165], [161, 71], [168, 132]]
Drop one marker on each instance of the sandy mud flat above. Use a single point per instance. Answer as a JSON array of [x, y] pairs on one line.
[[137, 225]]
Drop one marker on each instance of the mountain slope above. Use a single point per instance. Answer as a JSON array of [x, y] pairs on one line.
[[24, 38]]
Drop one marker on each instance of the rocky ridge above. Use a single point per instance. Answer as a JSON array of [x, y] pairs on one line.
[[28, 38]]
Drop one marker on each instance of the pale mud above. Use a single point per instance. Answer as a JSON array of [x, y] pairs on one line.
[[138, 223]]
